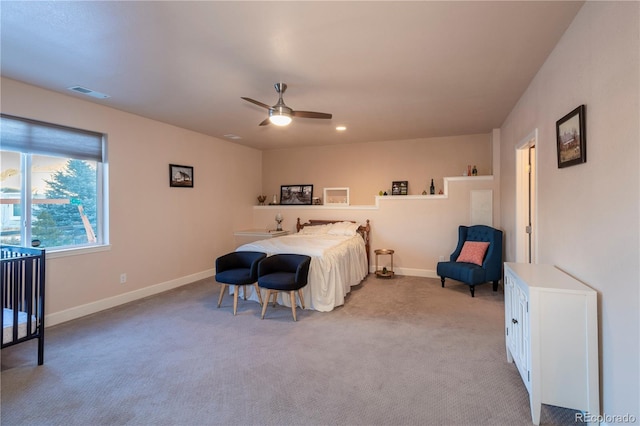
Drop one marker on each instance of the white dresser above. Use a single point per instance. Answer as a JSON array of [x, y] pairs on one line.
[[551, 326]]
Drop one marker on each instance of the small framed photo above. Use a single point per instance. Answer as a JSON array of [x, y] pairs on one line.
[[296, 194], [571, 137], [400, 187], [180, 176]]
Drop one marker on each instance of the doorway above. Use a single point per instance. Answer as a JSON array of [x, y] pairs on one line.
[[526, 199]]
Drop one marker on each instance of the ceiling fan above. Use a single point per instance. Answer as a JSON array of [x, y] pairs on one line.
[[280, 114]]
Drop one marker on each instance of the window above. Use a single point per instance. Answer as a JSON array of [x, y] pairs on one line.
[[52, 185]]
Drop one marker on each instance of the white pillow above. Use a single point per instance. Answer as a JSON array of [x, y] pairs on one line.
[[315, 230], [344, 228]]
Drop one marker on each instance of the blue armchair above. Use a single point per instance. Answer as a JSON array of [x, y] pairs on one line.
[[473, 274], [284, 272], [238, 269]]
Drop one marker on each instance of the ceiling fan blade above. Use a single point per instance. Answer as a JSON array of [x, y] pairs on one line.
[[265, 122], [311, 114], [253, 101]]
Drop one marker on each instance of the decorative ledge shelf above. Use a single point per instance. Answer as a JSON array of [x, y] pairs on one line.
[[469, 178], [411, 197], [446, 181], [315, 207]]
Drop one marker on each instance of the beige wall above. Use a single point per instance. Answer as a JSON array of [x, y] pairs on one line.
[[160, 236], [588, 214], [420, 230], [368, 168]]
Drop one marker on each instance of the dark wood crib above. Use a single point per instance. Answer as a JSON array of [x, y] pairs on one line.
[[22, 296]]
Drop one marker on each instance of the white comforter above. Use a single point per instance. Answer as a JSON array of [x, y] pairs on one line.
[[337, 263]]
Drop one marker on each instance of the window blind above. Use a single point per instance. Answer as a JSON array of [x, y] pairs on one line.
[[24, 135]]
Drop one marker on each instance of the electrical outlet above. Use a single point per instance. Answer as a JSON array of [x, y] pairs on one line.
[[123, 278]]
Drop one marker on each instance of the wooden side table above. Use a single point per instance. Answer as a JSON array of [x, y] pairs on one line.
[[384, 273]]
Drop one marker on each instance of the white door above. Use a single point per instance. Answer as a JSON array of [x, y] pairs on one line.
[[526, 179], [530, 254]]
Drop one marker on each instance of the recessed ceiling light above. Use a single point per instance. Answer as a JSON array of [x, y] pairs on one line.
[[341, 128]]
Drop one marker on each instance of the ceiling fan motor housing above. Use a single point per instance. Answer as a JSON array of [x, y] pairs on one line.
[[280, 110]]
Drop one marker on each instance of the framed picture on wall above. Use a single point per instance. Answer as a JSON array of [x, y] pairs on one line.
[[571, 138], [296, 194], [180, 176], [399, 187]]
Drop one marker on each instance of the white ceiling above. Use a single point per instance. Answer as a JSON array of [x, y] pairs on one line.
[[386, 70]]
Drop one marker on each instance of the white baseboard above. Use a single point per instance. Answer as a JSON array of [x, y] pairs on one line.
[[110, 302]]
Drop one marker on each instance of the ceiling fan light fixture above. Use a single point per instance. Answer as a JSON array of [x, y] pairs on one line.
[[280, 118]]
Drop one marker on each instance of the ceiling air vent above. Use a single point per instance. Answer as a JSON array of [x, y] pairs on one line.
[[88, 92], [232, 136]]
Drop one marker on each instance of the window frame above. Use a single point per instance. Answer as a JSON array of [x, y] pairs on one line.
[[26, 196]]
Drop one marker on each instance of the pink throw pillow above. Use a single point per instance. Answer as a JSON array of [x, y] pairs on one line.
[[473, 252]]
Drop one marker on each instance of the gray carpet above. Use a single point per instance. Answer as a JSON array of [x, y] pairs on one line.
[[402, 351]]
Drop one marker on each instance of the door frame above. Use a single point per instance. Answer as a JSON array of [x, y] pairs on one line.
[[523, 199]]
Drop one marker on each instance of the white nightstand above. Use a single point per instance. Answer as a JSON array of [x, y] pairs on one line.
[[249, 235]]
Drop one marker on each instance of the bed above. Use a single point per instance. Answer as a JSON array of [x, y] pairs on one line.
[[339, 252], [22, 275]]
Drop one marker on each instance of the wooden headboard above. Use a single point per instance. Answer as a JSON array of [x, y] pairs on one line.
[[363, 230]]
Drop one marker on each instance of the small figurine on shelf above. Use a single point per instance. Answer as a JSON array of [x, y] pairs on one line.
[[279, 222], [474, 172], [261, 199], [424, 192], [468, 170]]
